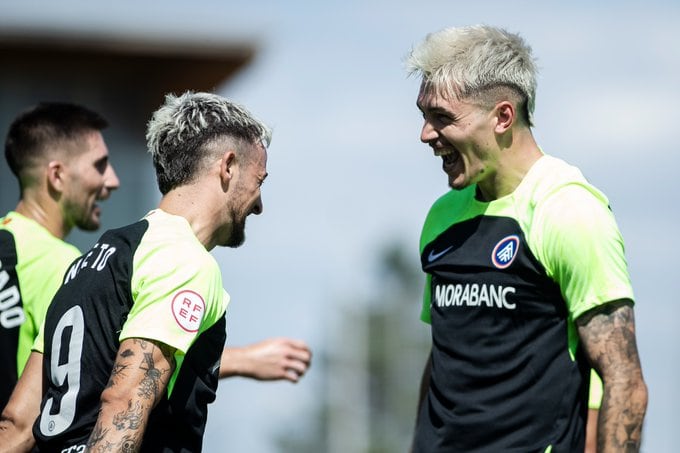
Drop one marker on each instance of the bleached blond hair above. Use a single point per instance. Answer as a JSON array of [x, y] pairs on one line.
[[183, 132], [478, 62]]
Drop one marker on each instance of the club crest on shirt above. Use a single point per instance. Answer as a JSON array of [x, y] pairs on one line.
[[505, 251], [188, 308]]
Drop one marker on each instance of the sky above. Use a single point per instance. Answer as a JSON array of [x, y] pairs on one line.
[[348, 174]]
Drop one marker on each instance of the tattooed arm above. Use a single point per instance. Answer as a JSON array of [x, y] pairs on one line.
[[608, 336], [139, 378]]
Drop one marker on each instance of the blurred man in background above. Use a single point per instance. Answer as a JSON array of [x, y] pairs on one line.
[[58, 154], [527, 284]]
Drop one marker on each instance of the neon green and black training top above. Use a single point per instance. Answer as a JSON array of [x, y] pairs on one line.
[[505, 281], [152, 280], [32, 266]]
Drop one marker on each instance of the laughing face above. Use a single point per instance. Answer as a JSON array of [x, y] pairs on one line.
[[91, 178], [461, 133], [246, 198]]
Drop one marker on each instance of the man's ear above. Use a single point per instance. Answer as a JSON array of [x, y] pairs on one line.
[[55, 176], [505, 116], [227, 167]]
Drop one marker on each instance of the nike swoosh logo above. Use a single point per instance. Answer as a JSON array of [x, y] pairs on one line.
[[435, 256]]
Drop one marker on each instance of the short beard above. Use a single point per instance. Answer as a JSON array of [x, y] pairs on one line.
[[83, 220], [88, 225], [238, 231]]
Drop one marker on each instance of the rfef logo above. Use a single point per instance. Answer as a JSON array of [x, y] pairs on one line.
[[505, 251], [188, 308]]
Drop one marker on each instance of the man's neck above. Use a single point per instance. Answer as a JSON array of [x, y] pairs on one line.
[[514, 163], [45, 212], [190, 201]]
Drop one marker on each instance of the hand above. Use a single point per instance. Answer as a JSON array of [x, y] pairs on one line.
[[269, 360]]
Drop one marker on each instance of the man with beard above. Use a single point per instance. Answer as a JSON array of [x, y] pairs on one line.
[[59, 157], [527, 284], [132, 339]]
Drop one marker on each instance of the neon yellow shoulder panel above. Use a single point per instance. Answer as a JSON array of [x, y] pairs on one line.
[[568, 225], [42, 260], [176, 287]]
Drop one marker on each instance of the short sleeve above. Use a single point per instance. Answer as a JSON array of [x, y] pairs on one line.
[[425, 314], [177, 293], [38, 343], [580, 245]]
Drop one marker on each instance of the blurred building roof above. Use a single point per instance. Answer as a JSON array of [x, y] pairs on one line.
[[155, 64]]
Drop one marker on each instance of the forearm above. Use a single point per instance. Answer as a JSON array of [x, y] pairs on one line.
[[14, 438], [233, 363], [608, 336], [120, 425], [138, 380], [16, 422], [620, 420], [271, 359], [16, 435]]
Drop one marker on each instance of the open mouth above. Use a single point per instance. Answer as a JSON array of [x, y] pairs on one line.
[[449, 157]]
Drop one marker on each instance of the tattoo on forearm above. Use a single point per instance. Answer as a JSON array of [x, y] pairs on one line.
[[608, 334], [108, 446], [149, 387], [125, 428], [130, 418], [130, 443], [142, 343], [611, 332], [98, 433], [117, 373]]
